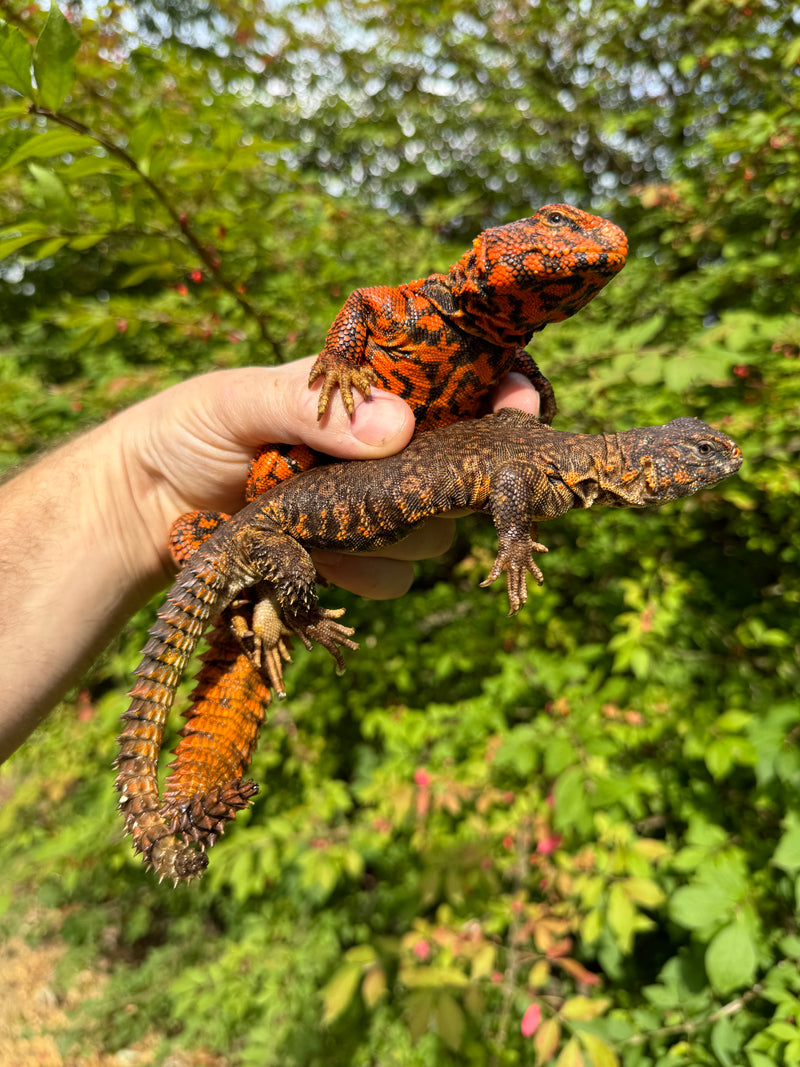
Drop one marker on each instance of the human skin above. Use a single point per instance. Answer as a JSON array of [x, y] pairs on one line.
[[84, 530]]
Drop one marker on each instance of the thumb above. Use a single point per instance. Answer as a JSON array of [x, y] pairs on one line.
[[260, 405]]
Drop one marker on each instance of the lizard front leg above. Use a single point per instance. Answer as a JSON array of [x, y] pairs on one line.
[[343, 361], [525, 364], [519, 494]]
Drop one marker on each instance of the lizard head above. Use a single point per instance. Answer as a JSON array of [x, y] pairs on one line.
[[663, 463], [539, 269]]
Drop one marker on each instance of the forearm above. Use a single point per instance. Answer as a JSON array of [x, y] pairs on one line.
[[74, 564]]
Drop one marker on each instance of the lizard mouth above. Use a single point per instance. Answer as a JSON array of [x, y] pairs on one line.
[[584, 259]]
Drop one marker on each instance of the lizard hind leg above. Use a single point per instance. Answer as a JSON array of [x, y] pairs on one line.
[[256, 621], [519, 493], [287, 598], [514, 557]]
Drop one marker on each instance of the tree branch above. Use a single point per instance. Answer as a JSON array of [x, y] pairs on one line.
[[210, 260]]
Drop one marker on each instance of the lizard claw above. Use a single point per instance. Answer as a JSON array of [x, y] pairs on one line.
[[515, 559], [264, 638], [338, 373], [320, 627]]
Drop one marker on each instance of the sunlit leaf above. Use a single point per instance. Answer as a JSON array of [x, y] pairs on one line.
[[571, 1055], [584, 1009], [45, 145], [15, 237], [52, 59], [15, 60], [340, 990], [430, 977], [731, 958], [598, 1052], [546, 1040]]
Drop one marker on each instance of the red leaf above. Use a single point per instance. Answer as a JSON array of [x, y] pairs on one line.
[[531, 1020]]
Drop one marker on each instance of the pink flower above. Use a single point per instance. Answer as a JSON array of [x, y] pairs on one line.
[[549, 844], [530, 1020], [422, 950], [422, 778]]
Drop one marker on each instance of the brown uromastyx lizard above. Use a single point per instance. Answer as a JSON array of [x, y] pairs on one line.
[[508, 465]]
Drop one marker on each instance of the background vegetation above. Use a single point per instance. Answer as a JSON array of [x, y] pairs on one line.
[[571, 837]]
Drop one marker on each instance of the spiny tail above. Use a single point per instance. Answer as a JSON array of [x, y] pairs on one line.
[[204, 788], [181, 621]]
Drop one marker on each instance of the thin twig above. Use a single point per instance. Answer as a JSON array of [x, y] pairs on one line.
[[693, 1025]]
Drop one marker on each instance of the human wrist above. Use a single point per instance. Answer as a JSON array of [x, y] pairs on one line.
[[138, 504]]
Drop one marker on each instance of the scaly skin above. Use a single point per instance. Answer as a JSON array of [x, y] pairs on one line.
[[442, 343], [509, 465]]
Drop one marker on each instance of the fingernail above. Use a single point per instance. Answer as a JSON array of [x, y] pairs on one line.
[[379, 419]]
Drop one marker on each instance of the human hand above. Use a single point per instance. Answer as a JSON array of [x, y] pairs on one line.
[[94, 547], [189, 448]]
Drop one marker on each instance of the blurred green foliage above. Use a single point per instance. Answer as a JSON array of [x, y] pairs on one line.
[[571, 837]]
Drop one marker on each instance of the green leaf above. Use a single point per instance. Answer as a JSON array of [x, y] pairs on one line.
[[450, 1021], [731, 959], [145, 271], [733, 722], [643, 891], [418, 1014], [86, 240], [16, 237], [726, 1042], [425, 977], [56, 197], [696, 906], [374, 985], [621, 916], [787, 854], [547, 1040], [584, 1009], [52, 59], [600, 1054], [45, 145], [571, 808], [49, 248], [15, 60], [725, 753], [484, 960], [362, 954], [758, 1059], [338, 993], [570, 1055]]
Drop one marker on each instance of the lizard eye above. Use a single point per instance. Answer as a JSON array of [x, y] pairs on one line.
[[705, 448], [555, 218]]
